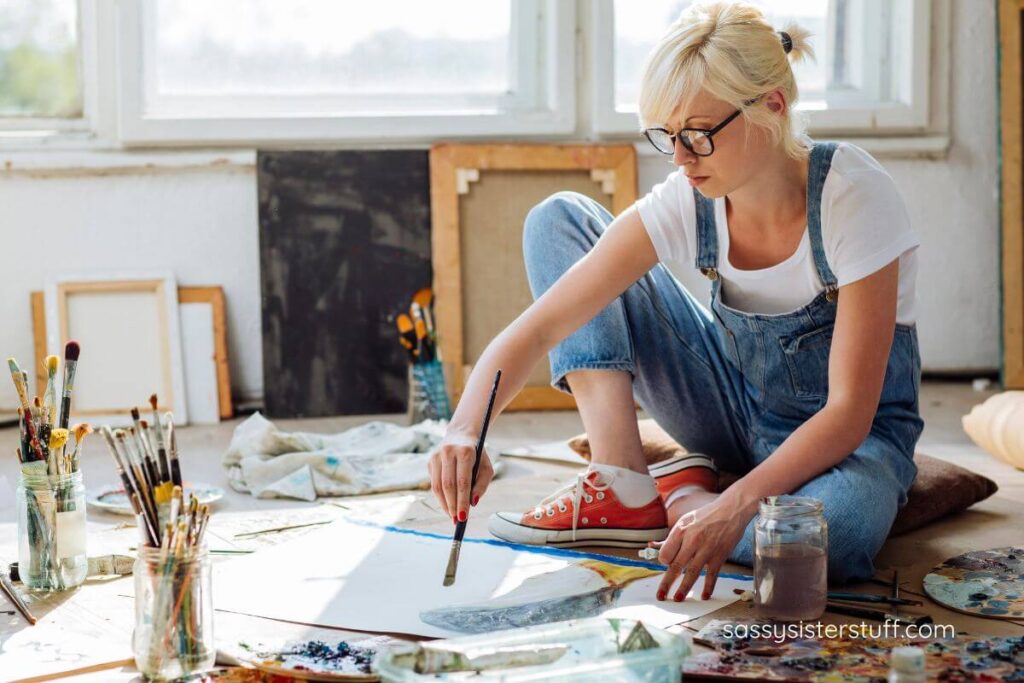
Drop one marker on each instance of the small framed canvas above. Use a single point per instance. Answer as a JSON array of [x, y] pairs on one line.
[[128, 327]]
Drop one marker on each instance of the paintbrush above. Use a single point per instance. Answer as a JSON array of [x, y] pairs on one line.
[[43, 434], [877, 599], [34, 449], [876, 615], [141, 484], [424, 298], [50, 395], [426, 351], [80, 430], [407, 335], [57, 438], [172, 442], [20, 385], [71, 351], [460, 527], [138, 456], [14, 597], [129, 488], [161, 446]]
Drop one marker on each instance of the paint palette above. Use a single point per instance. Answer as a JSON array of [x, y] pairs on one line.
[[113, 499], [985, 583], [313, 660], [738, 657]]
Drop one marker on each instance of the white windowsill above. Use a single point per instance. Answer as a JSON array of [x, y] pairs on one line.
[[905, 147], [50, 161]]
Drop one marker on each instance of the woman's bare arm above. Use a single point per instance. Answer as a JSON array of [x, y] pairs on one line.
[[621, 257]]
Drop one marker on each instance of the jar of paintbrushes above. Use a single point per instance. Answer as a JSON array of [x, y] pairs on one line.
[[50, 497], [428, 393], [173, 634]]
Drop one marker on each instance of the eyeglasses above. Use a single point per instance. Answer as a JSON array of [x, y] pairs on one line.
[[697, 140]]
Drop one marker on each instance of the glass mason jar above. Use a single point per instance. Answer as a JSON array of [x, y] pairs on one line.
[[790, 558], [428, 394], [51, 530], [173, 633]]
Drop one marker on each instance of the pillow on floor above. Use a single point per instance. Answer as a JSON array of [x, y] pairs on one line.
[[941, 488]]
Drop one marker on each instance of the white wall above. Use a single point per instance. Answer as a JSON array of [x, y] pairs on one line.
[[199, 223], [202, 223]]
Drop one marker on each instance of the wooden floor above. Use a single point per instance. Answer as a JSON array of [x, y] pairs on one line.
[[995, 522]]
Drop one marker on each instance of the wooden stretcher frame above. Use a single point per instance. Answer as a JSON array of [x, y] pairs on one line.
[[452, 168], [1012, 191], [212, 295]]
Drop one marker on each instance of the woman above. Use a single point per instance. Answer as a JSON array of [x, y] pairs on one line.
[[804, 373]]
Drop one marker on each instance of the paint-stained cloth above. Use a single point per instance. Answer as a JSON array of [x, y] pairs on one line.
[[371, 458]]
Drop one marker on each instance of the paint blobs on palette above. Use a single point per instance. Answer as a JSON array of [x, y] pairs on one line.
[[988, 583], [739, 656], [342, 660]]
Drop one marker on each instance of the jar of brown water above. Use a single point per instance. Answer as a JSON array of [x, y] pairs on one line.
[[790, 558]]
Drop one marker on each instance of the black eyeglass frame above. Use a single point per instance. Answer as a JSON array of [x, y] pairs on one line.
[[708, 133]]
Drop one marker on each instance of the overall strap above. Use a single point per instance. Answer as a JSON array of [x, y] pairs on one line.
[[819, 164], [707, 236]]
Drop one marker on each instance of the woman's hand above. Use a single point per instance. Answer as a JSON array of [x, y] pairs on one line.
[[451, 475], [701, 538]]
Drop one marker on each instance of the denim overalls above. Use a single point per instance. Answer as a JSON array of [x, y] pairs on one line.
[[735, 385]]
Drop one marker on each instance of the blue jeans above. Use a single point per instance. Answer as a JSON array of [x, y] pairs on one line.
[[685, 377]]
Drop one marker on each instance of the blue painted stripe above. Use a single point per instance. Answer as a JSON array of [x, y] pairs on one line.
[[537, 549]]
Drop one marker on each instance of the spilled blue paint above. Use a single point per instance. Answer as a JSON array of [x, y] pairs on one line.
[[540, 550]]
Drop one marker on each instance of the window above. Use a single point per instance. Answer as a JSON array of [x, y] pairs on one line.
[[97, 74], [40, 79], [870, 72], [401, 68]]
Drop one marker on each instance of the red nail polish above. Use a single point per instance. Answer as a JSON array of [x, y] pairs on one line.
[[661, 595], [476, 499], [679, 597], [462, 515], [454, 521]]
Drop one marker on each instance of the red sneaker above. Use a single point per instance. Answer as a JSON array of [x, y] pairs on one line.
[[585, 512], [688, 469]]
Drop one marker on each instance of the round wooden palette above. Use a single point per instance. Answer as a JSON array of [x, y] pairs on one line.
[[984, 583]]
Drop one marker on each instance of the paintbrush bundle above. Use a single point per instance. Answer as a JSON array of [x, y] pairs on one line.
[[51, 494], [146, 458], [428, 393], [173, 604]]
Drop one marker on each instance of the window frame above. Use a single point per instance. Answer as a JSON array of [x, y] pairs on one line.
[[551, 38], [908, 114], [96, 64]]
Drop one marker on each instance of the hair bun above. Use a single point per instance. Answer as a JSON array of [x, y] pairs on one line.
[[787, 41]]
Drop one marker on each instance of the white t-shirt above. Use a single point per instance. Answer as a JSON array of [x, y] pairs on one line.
[[864, 227]]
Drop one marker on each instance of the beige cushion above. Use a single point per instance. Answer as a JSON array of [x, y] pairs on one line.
[[941, 488]]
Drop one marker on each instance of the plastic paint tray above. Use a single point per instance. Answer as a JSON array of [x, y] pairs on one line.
[[593, 655]]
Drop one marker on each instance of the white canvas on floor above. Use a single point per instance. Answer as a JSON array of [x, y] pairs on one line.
[[197, 352], [363, 576]]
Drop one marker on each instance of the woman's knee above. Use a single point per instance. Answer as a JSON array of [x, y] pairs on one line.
[[556, 218], [855, 535]]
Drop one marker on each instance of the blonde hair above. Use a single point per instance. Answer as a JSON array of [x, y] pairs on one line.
[[729, 50]]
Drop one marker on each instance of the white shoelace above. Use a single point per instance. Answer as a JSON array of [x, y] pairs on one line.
[[573, 492]]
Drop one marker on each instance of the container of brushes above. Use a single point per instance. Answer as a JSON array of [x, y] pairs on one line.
[[428, 393], [51, 529], [173, 634]]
